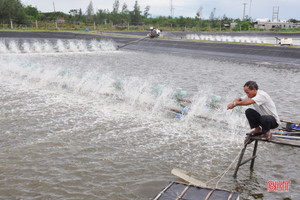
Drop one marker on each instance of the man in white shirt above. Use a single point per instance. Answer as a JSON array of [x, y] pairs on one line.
[[264, 115]]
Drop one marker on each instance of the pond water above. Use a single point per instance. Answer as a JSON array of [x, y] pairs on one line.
[[81, 120]]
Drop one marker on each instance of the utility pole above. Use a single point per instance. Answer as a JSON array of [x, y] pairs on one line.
[[54, 7], [55, 16], [244, 11], [250, 9], [172, 9]]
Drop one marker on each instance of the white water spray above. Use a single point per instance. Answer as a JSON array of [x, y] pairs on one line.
[[224, 38], [47, 46]]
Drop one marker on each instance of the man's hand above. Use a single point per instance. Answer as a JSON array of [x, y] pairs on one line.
[[230, 106]]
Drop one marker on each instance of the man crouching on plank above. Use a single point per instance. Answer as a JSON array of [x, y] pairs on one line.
[[264, 117]]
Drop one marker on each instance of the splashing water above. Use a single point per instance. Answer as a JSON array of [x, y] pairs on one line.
[[224, 38], [51, 46]]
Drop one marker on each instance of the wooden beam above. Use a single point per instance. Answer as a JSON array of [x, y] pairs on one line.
[[185, 175], [253, 157]]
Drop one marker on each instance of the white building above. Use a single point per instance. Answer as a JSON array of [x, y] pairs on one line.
[[274, 25]]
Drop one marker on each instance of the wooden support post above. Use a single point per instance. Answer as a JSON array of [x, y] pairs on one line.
[[247, 141], [254, 154], [240, 158]]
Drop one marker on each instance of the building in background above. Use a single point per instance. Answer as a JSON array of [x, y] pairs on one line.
[[275, 25]]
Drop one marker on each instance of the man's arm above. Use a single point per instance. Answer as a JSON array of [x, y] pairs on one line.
[[239, 102], [244, 102]]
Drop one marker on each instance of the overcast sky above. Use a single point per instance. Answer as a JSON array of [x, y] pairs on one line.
[[256, 9]]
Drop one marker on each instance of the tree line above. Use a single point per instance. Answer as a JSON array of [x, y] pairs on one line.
[[14, 11]]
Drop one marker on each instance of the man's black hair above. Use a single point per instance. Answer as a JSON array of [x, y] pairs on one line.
[[251, 85]]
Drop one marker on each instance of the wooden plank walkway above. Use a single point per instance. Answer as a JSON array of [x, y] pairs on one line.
[[284, 141], [249, 139]]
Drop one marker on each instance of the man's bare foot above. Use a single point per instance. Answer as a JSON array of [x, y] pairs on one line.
[[256, 131], [267, 136]]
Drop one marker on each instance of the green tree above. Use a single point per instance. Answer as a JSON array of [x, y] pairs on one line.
[[73, 12], [90, 12], [242, 25], [212, 18], [102, 16], [146, 11], [115, 12], [116, 7], [74, 15], [12, 10], [80, 15], [199, 15], [125, 9], [136, 14], [181, 21], [125, 17], [293, 20], [32, 12]]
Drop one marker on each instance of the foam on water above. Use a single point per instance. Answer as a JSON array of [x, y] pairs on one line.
[[224, 38], [238, 39], [51, 46]]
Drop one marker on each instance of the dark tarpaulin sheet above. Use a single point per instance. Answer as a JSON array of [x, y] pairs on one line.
[[175, 190]]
